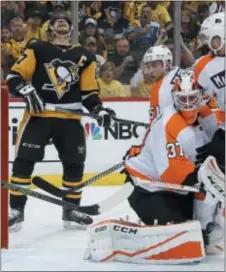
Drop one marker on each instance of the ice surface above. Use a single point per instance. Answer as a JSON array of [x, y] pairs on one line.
[[43, 244]]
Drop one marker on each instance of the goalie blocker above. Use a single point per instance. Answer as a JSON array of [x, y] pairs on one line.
[[114, 240]]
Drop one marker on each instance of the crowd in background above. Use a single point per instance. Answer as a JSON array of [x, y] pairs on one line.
[[119, 33]]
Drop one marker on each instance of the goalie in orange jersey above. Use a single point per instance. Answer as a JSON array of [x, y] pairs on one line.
[[172, 231]]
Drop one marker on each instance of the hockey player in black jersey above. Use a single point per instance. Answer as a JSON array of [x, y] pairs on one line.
[[53, 73]]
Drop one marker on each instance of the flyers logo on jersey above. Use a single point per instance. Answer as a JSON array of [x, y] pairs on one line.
[[61, 74]]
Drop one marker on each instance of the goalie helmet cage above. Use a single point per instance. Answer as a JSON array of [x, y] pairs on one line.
[[4, 163]]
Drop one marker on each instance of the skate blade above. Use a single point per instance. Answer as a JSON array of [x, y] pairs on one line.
[[73, 226], [15, 228]]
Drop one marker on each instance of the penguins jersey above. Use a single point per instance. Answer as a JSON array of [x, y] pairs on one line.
[[209, 73], [63, 76], [161, 94], [168, 152]]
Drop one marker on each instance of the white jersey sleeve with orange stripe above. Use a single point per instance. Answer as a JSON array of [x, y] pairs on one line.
[[210, 74], [161, 94], [169, 151]]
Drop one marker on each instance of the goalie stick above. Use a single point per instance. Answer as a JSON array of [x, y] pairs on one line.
[[94, 116], [79, 217], [52, 189]]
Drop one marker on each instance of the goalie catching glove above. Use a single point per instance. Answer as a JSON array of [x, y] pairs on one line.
[[34, 103]]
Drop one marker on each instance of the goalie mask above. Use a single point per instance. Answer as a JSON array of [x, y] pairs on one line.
[[64, 27], [187, 97]]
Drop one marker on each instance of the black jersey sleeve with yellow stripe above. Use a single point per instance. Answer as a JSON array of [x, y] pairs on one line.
[[89, 86], [22, 71]]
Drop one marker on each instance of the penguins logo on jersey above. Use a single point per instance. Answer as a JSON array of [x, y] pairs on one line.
[[61, 74]]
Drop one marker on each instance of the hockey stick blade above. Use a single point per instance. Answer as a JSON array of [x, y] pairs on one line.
[[106, 205], [52, 189], [79, 216]]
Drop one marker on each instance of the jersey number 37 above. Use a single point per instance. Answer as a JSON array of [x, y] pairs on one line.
[[174, 150]]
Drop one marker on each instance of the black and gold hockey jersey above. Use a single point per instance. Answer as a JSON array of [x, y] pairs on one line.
[[61, 75]]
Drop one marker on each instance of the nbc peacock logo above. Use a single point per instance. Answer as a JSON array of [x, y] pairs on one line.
[[91, 129]]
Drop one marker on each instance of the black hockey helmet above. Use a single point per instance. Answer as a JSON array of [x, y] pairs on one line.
[[61, 15]]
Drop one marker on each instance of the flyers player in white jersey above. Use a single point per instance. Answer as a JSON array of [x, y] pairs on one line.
[[210, 75], [157, 64], [168, 154]]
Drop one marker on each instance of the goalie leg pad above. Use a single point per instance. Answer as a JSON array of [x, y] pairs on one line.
[[114, 240]]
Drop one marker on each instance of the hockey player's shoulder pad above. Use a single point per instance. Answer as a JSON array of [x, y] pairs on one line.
[[37, 45]]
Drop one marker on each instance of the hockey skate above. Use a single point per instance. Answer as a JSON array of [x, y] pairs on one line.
[[71, 221], [16, 217]]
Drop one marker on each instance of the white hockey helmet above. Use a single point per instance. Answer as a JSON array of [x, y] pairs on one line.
[[213, 27], [160, 52], [187, 95]]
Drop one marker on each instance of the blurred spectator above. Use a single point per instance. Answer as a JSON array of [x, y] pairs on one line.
[[218, 6], [91, 45], [19, 9], [17, 42], [5, 50], [146, 33], [7, 12], [192, 6], [90, 30], [126, 64], [111, 22], [93, 9], [5, 35], [132, 11], [203, 13], [187, 32], [107, 83], [160, 15], [33, 26], [186, 57]]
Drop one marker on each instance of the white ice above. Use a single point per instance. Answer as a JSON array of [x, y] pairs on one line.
[[43, 245]]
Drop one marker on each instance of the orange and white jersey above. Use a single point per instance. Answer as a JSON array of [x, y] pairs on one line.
[[168, 152], [209, 73], [161, 93]]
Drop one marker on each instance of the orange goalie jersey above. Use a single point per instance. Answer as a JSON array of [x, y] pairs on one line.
[[168, 152]]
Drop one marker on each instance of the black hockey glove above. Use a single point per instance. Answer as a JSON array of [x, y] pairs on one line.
[[34, 103], [106, 118]]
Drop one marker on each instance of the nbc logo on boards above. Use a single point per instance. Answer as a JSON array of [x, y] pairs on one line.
[[91, 129]]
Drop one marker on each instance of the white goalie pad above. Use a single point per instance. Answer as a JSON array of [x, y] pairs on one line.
[[115, 240], [212, 178]]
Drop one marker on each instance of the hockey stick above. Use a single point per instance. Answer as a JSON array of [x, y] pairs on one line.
[[79, 217], [52, 189], [94, 116], [123, 193]]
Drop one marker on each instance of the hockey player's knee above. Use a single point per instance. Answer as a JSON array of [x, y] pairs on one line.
[[73, 171], [23, 168]]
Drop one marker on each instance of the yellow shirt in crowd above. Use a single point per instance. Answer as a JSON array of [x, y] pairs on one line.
[[31, 34], [16, 47], [144, 89], [113, 89]]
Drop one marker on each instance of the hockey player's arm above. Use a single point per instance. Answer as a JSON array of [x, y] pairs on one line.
[[19, 81], [90, 96]]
